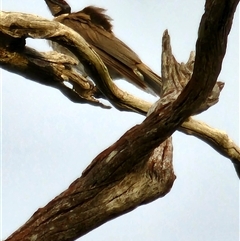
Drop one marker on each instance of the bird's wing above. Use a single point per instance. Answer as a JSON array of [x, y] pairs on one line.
[[100, 38], [115, 54]]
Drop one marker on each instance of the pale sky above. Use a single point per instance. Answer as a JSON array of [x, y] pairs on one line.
[[47, 141]]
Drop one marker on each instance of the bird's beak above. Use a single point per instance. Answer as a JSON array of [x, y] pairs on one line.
[[58, 7]]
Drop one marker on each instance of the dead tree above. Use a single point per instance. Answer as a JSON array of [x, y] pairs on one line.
[[137, 168]]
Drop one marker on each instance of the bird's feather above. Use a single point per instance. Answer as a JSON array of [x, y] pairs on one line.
[[95, 27]]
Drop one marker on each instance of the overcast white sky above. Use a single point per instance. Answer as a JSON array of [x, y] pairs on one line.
[[47, 141]]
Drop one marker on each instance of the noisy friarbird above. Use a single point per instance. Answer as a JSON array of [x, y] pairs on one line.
[[95, 27]]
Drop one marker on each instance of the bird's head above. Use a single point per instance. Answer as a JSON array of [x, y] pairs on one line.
[[58, 7]]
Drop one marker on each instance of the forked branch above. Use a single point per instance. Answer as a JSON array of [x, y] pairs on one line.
[[140, 161]]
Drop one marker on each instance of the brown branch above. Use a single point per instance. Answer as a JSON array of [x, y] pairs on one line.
[[180, 74], [21, 26], [53, 69], [84, 205], [109, 187], [27, 62]]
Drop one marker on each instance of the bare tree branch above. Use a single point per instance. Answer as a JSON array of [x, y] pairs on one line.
[[53, 69], [140, 161], [20, 26], [219, 140]]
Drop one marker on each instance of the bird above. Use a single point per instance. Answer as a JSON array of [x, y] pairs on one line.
[[96, 28]]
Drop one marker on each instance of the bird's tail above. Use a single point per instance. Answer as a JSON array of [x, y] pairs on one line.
[[152, 80]]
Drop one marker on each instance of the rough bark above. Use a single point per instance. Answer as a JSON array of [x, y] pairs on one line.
[[55, 70], [137, 168]]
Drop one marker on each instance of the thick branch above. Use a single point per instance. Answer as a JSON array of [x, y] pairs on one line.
[[55, 69]]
